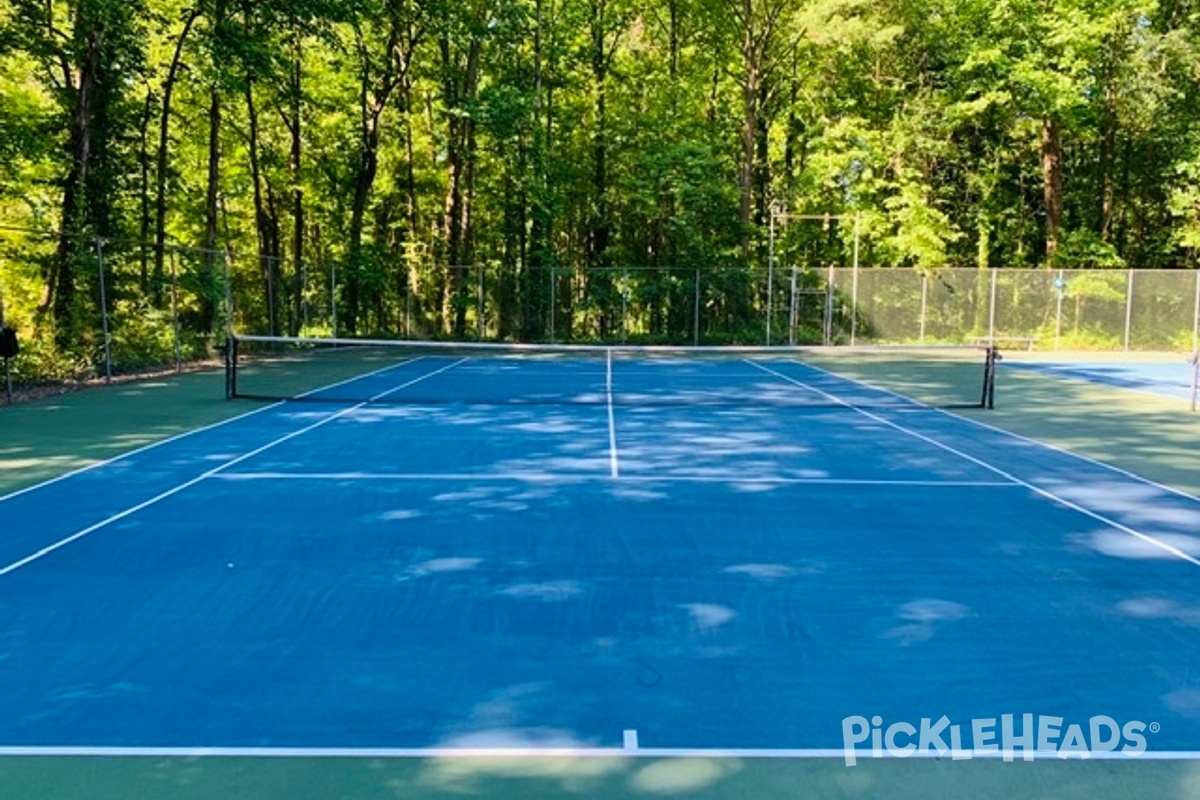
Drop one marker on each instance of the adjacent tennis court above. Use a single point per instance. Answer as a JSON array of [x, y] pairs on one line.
[[600, 552]]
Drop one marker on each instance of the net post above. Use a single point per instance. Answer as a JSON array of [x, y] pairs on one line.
[[987, 399], [230, 367]]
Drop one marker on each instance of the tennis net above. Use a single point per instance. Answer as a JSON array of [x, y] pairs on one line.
[[435, 373]]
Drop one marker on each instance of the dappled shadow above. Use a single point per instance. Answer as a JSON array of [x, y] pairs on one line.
[[1154, 438]]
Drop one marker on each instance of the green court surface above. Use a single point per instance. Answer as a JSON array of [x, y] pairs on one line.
[[609, 778], [1156, 438]]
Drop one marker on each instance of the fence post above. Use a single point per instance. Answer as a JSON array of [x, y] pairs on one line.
[[104, 311], [228, 292], [854, 282], [992, 308], [696, 312], [625, 307], [1060, 288], [829, 296], [792, 311], [1196, 318], [479, 309], [7, 367], [924, 304], [333, 298], [1128, 305], [553, 291], [175, 309], [770, 271], [408, 302]]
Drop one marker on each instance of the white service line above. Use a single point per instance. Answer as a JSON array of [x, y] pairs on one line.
[[614, 467], [584, 477], [979, 423], [215, 470], [1175, 551]]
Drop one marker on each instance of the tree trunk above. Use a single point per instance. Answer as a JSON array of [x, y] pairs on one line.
[[144, 193], [1052, 184], [1108, 157], [208, 302], [160, 194], [267, 256], [599, 224], [751, 85], [61, 294], [459, 89], [298, 259]]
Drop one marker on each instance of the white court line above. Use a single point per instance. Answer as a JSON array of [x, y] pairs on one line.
[[1175, 551], [134, 452], [864, 754], [986, 426], [613, 464], [585, 477], [215, 470], [201, 429]]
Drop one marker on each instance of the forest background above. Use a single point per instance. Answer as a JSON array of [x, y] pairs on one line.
[[570, 169]]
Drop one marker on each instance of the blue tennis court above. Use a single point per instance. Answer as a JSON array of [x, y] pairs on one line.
[[692, 555], [1164, 378]]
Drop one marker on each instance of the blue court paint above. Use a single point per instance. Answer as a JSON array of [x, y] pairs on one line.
[[1168, 379], [697, 599]]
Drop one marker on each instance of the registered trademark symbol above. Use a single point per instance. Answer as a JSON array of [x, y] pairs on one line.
[[1155, 727]]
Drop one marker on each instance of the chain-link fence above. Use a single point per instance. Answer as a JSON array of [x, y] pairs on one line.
[[136, 306], [1042, 309]]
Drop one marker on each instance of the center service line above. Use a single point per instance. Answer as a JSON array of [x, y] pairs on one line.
[[613, 462]]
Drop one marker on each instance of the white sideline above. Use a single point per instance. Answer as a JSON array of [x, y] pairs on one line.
[[1175, 551], [215, 470]]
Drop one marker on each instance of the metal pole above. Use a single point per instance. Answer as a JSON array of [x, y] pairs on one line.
[[696, 312], [770, 270], [175, 310], [408, 304], [1060, 290], [854, 282], [1196, 318], [7, 367], [553, 290], [924, 305], [992, 310], [479, 310], [229, 293], [333, 298], [625, 308], [793, 310], [1128, 306], [104, 311], [829, 297]]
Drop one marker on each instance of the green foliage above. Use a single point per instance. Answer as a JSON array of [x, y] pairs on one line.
[[1082, 249], [144, 337]]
